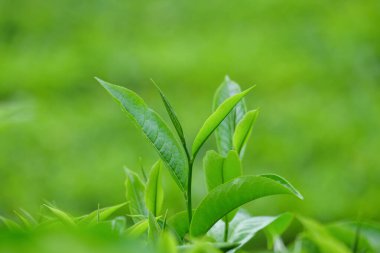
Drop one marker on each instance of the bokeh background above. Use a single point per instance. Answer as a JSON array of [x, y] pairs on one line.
[[316, 65]]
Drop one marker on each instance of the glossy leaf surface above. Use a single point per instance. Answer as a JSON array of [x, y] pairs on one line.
[[155, 129], [213, 121], [231, 195], [225, 130], [243, 130]]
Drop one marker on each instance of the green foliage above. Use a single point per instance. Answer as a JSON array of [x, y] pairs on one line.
[[155, 129], [218, 223]]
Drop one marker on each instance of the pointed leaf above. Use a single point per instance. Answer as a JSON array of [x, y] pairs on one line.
[[155, 129], [154, 193], [213, 121], [135, 191], [10, 224], [101, 214], [138, 228], [226, 129], [26, 218], [174, 119], [62, 216], [231, 195], [154, 228], [243, 130]]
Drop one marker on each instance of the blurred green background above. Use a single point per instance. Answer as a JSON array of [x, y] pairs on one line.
[[316, 65]]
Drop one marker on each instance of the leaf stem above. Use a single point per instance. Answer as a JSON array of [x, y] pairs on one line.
[[188, 196], [226, 227]]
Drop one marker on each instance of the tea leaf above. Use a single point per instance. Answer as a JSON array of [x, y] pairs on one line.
[[10, 224], [154, 193], [101, 214], [231, 195], [226, 129], [321, 237], [135, 191], [62, 216], [155, 129], [219, 170], [174, 119], [138, 228], [243, 228], [154, 228], [180, 223], [213, 121], [243, 131]]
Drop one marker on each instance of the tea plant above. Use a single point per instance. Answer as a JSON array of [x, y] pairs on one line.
[[218, 223]]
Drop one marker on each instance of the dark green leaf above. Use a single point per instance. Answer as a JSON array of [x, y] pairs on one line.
[[155, 129]]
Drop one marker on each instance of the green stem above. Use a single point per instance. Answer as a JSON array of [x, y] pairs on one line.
[[188, 196], [227, 223]]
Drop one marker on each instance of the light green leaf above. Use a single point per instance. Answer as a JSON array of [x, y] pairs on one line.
[[138, 228], [154, 230], [167, 243], [231, 195], [242, 228], [276, 229], [135, 192], [62, 216], [28, 220], [243, 131], [10, 224], [155, 129], [213, 121], [173, 117], [101, 214], [322, 238], [154, 193], [219, 170], [226, 129], [180, 223]]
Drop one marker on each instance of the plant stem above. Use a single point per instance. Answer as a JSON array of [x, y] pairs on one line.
[[188, 197], [226, 223]]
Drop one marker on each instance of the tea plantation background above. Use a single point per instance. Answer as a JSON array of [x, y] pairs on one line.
[[316, 65]]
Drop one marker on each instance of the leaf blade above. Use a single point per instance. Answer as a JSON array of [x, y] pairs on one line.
[[243, 130], [213, 121], [154, 194], [224, 132], [155, 129], [135, 192], [229, 196]]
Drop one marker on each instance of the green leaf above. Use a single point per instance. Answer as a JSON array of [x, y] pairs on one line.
[[219, 170], [322, 237], [173, 117], [243, 131], [213, 121], [10, 224], [276, 229], [138, 228], [154, 193], [62, 216], [243, 228], [135, 192], [226, 129], [155, 129], [180, 223], [231, 195], [154, 230], [101, 214], [28, 220], [167, 243]]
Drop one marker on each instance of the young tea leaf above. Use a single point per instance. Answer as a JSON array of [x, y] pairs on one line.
[[135, 192], [213, 121], [62, 216], [174, 119], [226, 129], [243, 131], [219, 170], [10, 224], [155, 129], [154, 230], [154, 193], [231, 195], [101, 214]]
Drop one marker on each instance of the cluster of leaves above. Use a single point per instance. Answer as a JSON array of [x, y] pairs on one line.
[[218, 224]]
